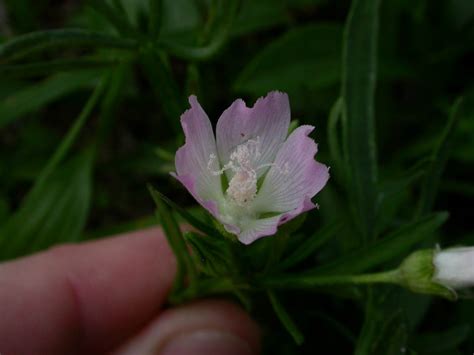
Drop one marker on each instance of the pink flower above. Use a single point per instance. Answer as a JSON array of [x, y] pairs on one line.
[[253, 176]]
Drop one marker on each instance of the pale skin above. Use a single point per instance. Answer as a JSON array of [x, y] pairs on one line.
[[108, 297]]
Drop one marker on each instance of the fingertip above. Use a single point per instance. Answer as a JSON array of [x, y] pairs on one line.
[[205, 327]]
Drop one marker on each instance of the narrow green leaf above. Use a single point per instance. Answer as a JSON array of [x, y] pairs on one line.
[[439, 342], [38, 41], [164, 85], [53, 208], [111, 103], [214, 44], [309, 246], [188, 217], [155, 17], [358, 91], [37, 95], [305, 58], [213, 254], [438, 161], [117, 19], [72, 134], [392, 195], [384, 330], [393, 246], [177, 243], [54, 211], [335, 150], [285, 318], [54, 66]]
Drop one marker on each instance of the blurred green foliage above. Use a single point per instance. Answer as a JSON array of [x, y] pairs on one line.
[[90, 98]]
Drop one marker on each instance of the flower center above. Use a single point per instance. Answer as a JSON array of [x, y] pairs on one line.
[[243, 185]]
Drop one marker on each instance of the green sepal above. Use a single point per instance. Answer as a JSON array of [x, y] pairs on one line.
[[416, 274]]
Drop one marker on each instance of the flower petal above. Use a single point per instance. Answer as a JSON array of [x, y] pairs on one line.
[[257, 229], [192, 159], [268, 120], [454, 267], [295, 176]]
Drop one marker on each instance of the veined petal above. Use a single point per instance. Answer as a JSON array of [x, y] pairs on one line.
[[266, 122], [294, 178], [192, 159], [258, 228]]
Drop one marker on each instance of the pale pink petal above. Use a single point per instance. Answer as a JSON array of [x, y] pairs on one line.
[[295, 176], [192, 159], [268, 226], [257, 229], [268, 121]]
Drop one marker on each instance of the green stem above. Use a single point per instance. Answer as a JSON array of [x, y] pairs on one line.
[[311, 281]]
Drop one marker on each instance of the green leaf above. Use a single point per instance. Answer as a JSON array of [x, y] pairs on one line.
[[53, 211], [255, 16], [155, 17], [37, 95], [392, 194], [176, 241], [180, 16], [333, 131], [285, 318], [307, 57], [394, 246], [213, 45], [213, 254], [54, 66], [27, 44], [56, 207], [164, 85], [310, 245], [384, 330], [118, 20], [188, 217], [358, 92], [72, 134], [440, 342], [438, 159]]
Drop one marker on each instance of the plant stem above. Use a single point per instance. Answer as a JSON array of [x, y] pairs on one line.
[[310, 281]]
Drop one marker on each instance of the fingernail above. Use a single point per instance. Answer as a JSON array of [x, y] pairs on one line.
[[206, 342]]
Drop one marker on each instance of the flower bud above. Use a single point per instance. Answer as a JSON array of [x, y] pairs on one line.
[[454, 268], [417, 273]]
